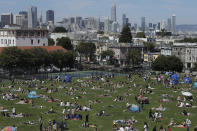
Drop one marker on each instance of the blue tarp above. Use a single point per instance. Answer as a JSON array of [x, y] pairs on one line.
[[134, 108], [187, 80], [32, 94], [168, 73], [67, 78], [175, 79], [195, 85]]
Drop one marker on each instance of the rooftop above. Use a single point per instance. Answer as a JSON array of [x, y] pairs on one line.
[[48, 48]]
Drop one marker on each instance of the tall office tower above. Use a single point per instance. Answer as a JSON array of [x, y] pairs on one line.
[[113, 13], [173, 26], [71, 20], [49, 16], [158, 25], [24, 13], [143, 24], [18, 19], [25, 19], [106, 25], [154, 26], [114, 27], [150, 25], [97, 23], [6, 19], [163, 25], [78, 21], [40, 21], [123, 20], [32, 17], [169, 23]]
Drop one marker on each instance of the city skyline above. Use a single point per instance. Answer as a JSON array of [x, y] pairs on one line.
[[153, 10]]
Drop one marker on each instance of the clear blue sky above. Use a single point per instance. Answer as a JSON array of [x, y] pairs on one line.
[[153, 10]]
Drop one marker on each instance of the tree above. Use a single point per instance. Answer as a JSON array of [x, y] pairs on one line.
[[59, 30], [65, 42], [140, 35], [40, 58], [134, 56], [108, 55], [195, 67], [125, 36], [62, 59], [150, 46], [163, 32], [51, 42], [167, 63], [87, 49], [10, 58]]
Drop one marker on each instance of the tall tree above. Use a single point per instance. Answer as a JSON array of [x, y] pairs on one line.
[[60, 30], [134, 56], [125, 36], [51, 42], [150, 46], [108, 55], [87, 49], [10, 58], [140, 35], [65, 42], [167, 63]]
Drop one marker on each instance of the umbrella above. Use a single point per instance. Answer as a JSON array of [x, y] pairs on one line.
[[9, 128], [186, 93]]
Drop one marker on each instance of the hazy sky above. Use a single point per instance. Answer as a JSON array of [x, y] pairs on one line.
[[153, 10]]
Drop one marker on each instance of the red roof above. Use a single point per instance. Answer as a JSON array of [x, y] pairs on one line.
[[48, 48]]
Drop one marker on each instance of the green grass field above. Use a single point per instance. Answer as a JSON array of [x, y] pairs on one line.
[[104, 123]]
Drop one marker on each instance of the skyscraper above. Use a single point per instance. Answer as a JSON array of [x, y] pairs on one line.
[[32, 17], [6, 19], [163, 25], [123, 20], [106, 25], [18, 19], [25, 18], [173, 28], [143, 24], [24, 13], [50, 16], [113, 13], [169, 23]]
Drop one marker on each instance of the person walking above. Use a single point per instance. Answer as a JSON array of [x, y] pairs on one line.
[[188, 123], [40, 121], [145, 126]]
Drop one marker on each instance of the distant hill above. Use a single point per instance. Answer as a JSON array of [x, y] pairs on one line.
[[186, 28]]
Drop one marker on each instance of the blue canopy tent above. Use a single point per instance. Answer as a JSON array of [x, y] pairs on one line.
[[67, 78], [187, 80], [168, 73], [134, 108], [32, 95], [195, 85], [175, 79]]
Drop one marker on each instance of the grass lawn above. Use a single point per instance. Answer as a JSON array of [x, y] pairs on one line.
[[115, 111]]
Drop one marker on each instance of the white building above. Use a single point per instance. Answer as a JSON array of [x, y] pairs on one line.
[[23, 37], [19, 19]]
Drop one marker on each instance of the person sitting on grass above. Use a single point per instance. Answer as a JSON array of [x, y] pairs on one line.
[[185, 113], [51, 110]]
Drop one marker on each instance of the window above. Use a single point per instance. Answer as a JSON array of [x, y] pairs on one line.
[[5, 41], [32, 33], [18, 33], [1, 41], [13, 41], [43, 44], [25, 33], [38, 41], [32, 42]]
